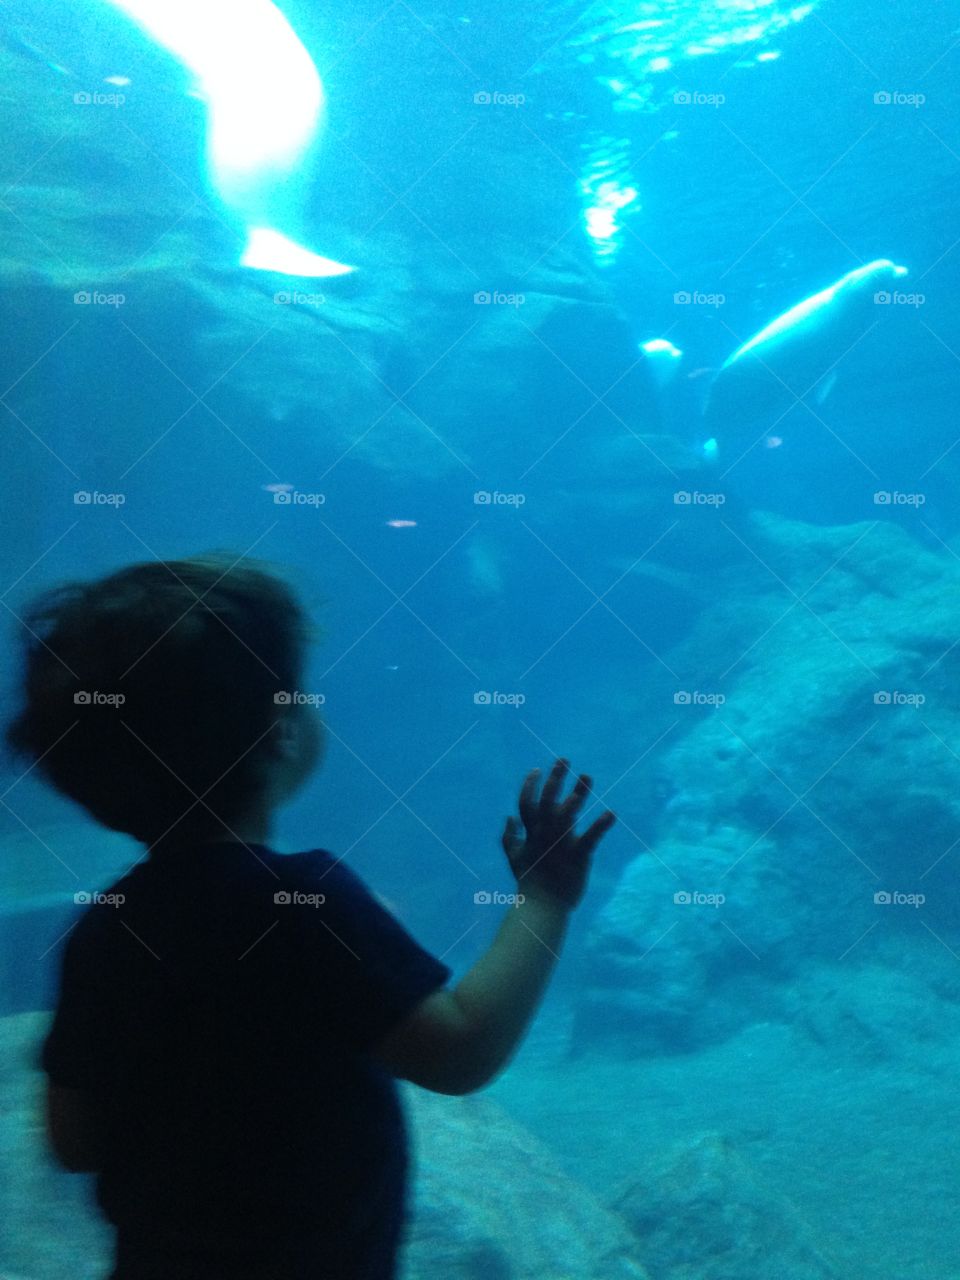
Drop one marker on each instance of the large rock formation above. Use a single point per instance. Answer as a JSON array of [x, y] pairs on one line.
[[492, 1203], [704, 1214], [809, 794]]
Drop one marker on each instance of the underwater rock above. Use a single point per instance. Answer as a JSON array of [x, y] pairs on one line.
[[813, 785], [685, 944], [877, 1014], [702, 1213], [48, 1228], [491, 1202]]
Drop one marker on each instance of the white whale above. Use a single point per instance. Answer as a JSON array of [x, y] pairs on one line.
[[264, 111], [663, 359], [799, 353]]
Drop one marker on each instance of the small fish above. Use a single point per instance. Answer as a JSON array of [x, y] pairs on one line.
[[277, 488], [401, 524], [14, 40]]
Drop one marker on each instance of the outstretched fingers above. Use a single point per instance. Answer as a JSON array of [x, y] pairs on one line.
[[593, 834], [528, 800], [574, 801], [551, 788]]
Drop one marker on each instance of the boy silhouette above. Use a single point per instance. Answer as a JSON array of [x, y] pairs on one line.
[[231, 1020]]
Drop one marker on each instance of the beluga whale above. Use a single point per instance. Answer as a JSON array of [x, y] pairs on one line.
[[793, 361], [265, 104]]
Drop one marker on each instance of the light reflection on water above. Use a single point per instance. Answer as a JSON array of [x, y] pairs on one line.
[[630, 47]]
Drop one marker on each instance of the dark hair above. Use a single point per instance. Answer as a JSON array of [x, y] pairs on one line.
[[197, 649]]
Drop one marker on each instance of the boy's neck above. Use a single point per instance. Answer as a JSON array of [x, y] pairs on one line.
[[254, 828]]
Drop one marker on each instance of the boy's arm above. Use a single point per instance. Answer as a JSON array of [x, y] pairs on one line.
[[72, 1128], [457, 1041]]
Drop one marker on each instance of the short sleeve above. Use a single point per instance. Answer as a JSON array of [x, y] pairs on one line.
[[367, 969]]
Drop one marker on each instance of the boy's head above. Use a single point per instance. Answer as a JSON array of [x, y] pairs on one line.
[[157, 685]]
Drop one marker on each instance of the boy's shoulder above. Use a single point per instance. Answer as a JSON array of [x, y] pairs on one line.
[[176, 885], [239, 867]]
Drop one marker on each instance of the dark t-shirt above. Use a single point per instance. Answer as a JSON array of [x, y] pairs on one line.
[[222, 1016]]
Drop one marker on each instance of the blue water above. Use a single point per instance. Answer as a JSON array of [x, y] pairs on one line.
[[808, 141]]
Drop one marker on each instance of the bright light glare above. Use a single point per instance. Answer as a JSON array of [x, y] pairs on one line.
[[263, 91], [657, 346], [270, 251], [264, 103]]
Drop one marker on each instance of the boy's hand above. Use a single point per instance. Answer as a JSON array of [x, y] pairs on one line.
[[553, 860]]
